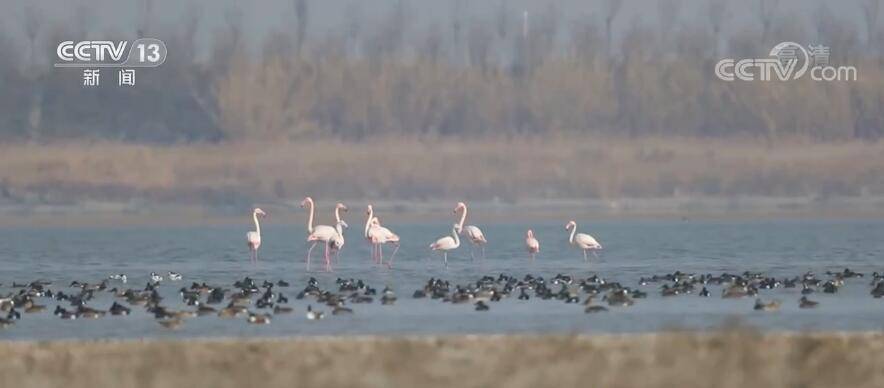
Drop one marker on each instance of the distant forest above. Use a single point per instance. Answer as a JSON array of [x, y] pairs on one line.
[[502, 75]]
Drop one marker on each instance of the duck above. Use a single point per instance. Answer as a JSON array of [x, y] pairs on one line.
[[770, 306], [259, 319], [389, 297], [203, 310], [156, 278], [121, 277], [704, 292], [314, 315], [4, 323], [481, 306], [591, 309], [174, 276], [171, 324], [339, 309], [64, 314], [118, 309], [807, 303], [282, 310]]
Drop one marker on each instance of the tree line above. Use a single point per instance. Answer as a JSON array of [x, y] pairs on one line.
[[505, 74]]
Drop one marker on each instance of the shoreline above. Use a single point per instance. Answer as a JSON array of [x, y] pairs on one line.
[[730, 357], [138, 213]]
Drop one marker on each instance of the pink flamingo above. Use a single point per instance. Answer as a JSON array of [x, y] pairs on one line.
[[582, 240], [337, 241], [474, 234], [322, 233], [380, 236], [531, 243], [253, 238], [447, 243], [377, 236]]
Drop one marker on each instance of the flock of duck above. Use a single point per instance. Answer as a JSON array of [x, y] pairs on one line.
[[257, 302], [332, 237]]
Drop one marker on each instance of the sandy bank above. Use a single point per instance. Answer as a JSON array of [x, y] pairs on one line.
[[727, 359]]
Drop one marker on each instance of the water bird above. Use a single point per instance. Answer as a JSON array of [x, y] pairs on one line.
[[314, 315], [447, 243], [323, 233], [377, 236], [156, 278], [259, 319], [704, 292], [340, 309], [389, 297], [582, 240], [773, 305], [174, 276], [474, 234], [807, 303], [481, 306], [282, 310], [171, 324], [531, 244], [121, 277], [253, 238]]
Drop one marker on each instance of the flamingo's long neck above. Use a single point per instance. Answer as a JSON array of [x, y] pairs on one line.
[[338, 214], [463, 217], [573, 231], [310, 218], [368, 221], [257, 224], [456, 238]]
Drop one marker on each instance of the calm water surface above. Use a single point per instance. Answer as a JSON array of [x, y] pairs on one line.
[[217, 255]]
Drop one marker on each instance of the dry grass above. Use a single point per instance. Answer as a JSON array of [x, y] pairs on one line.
[[727, 359], [590, 167]]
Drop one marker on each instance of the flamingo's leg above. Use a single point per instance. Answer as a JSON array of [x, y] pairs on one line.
[[595, 253], [308, 253], [380, 253], [390, 262], [445, 256], [327, 259], [256, 255], [472, 248], [584, 256], [483, 251]]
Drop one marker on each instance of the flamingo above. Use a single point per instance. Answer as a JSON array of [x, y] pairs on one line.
[[253, 238], [322, 233], [531, 243], [378, 235], [474, 234], [447, 243], [337, 242], [582, 240]]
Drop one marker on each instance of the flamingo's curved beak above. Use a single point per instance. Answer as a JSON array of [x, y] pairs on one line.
[[344, 224]]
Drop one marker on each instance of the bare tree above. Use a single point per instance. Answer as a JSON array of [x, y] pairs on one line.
[[766, 11], [611, 10], [479, 42], [870, 12], [144, 23], [503, 19], [32, 22], [353, 24], [302, 16], [717, 15]]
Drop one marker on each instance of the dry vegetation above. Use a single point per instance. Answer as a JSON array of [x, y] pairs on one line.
[[470, 72], [733, 358], [514, 169]]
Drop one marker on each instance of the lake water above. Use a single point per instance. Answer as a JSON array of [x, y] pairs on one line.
[[218, 256]]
